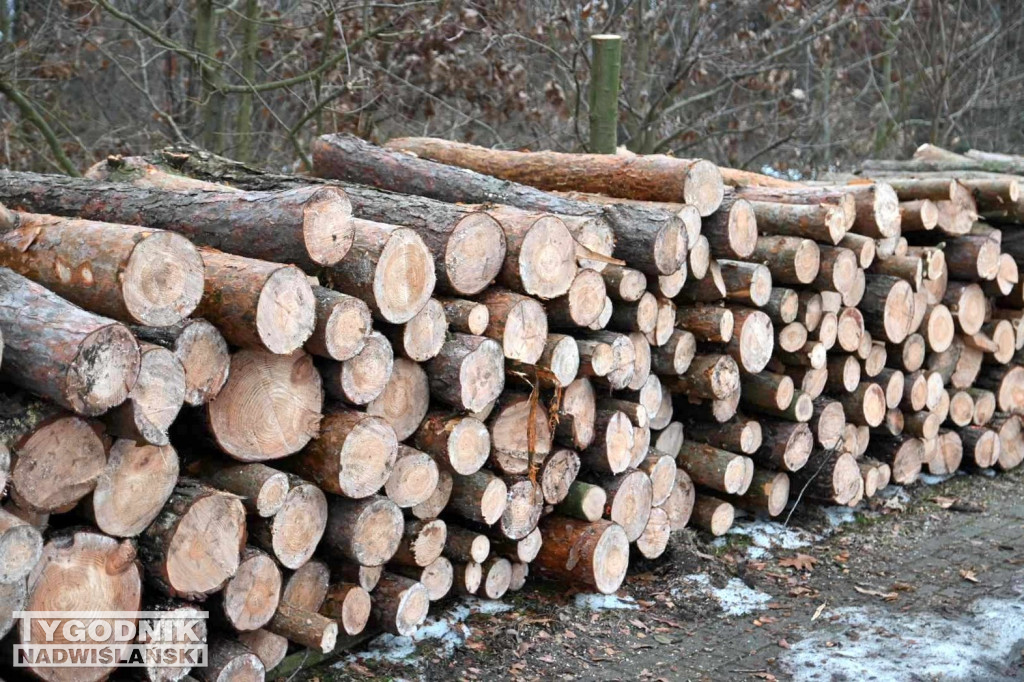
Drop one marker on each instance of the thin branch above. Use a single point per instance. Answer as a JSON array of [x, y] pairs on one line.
[[32, 116]]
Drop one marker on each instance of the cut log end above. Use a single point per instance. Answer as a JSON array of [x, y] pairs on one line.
[[286, 311], [136, 483], [162, 282], [474, 254], [703, 187], [203, 354], [404, 278], [103, 371], [327, 231]]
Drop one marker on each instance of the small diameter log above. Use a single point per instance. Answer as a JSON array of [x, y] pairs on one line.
[[399, 605], [250, 597], [132, 274], [202, 352], [1011, 441], [496, 578], [863, 247], [362, 377], [670, 439], [893, 382], [786, 445], [108, 579], [653, 542], [520, 434], [700, 257], [468, 577], [523, 508], [518, 322], [961, 408], [679, 505], [306, 588], [829, 475], [133, 488], [366, 577], [828, 422], [81, 361], [984, 405], [595, 554], [747, 283], [422, 542], [811, 380], [256, 304], [557, 474], [843, 373], [920, 215], [910, 268], [557, 366], [706, 323], [459, 444], [353, 455], [849, 329], [783, 306], [972, 257], [826, 223], [468, 372], [739, 435], [708, 376], [584, 501], [628, 501], [624, 284], [21, 546], [229, 660], [466, 317], [1007, 383], [828, 330], [194, 546], [413, 478], [948, 456], [390, 268], [909, 355], [966, 302], [609, 357], [269, 407], [438, 576], [342, 324], [576, 415], [641, 316], [712, 515], [753, 341], [768, 390], [305, 628], [904, 454], [792, 260], [938, 328], [676, 355], [888, 308], [261, 488], [583, 303], [661, 469], [837, 269], [421, 338], [405, 398], [713, 468], [982, 447], [154, 401], [800, 408], [366, 531], [791, 337], [924, 425], [268, 647], [707, 289], [479, 497], [294, 532], [464, 545], [866, 405], [731, 230], [768, 492], [172, 623]]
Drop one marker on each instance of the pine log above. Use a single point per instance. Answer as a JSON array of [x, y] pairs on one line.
[[132, 274], [792, 260], [608, 357], [904, 454], [581, 305], [366, 577], [826, 223], [557, 366], [707, 289], [606, 315], [595, 554], [459, 444], [584, 501], [229, 660], [366, 531], [133, 488], [465, 545], [518, 323], [786, 445], [520, 435], [107, 578], [54, 457], [713, 468], [1008, 385], [676, 355], [949, 455], [700, 258], [863, 247], [466, 317], [523, 508], [79, 360], [306, 588], [707, 323], [809, 310], [731, 230], [712, 515], [746, 283], [202, 352], [421, 338], [679, 505], [479, 497], [261, 488], [413, 478], [363, 377], [984, 405], [843, 373], [966, 301], [708, 376], [194, 545], [739, 435], [669, 286], [438, 577], [829, 475], [1011, 442], [557, 474], [576, 414], [12, 598], [752, 343], [399, 605], [154, 401], [405, 398], [653, 542], [767, 390], [982, 446], [250, 597], [769, 492], [293, 534], [422, 542], [21, 546], [269, 407], [270, 648]]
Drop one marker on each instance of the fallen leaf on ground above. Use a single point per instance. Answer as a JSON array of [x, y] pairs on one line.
[[817, 612], [887, 596], [968, 575], [944, 502], [783, 644], [801, 562]]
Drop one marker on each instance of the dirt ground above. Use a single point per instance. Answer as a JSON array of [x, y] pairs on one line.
[[923, 584]]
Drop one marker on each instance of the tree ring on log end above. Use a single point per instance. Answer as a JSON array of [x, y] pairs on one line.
[[474, 253], [404, 278], [547, 259], [286, 311], [327, 231], [611, 559], [162, 282], [104, 370], [703, 187]]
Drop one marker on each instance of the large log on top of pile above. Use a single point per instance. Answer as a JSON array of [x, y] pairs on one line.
[[307, 226]]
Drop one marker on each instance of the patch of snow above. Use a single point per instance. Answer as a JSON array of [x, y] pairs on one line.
[[934, 479], [837, 516], [766, 534], [604, 602], [448, 629], [736, 599], [885, 645]]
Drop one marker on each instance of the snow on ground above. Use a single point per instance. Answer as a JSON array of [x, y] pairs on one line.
[[605, 602], [736, 599], [873, 643]]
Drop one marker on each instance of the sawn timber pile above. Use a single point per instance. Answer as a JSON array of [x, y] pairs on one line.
[[314, 405]]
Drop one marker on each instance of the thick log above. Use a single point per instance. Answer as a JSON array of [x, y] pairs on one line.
[[133, 488], [523, 508], [257, 304], [966, 301], [829, 475], [468, 372], [194, 545], [21, 546], [520, 435], [413, 478], [79, 360], [746, 283], [354, 454], [366, 531], [712, 515], [863, 247], [918, 216], [308, 226], [518, 323], [783, 306], [984, 405], [54, 458], [438, 576], [154, 401], [228, 660], [888, 307], [399, 605], [961, 409], [294, 532], [595, 554], [269, 407], [270, 648], [132, 274], [1007, 383], [540, 258], [108, 577], [306, 587], [707, 289], [904, 454], [405, 398], [250, 597], [202, 352], [389, 268], [769, 492], [1011, 442], [628, 501], [640, 316], [731, 231]]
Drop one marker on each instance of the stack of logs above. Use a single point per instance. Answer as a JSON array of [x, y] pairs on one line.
[[312, 407]]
